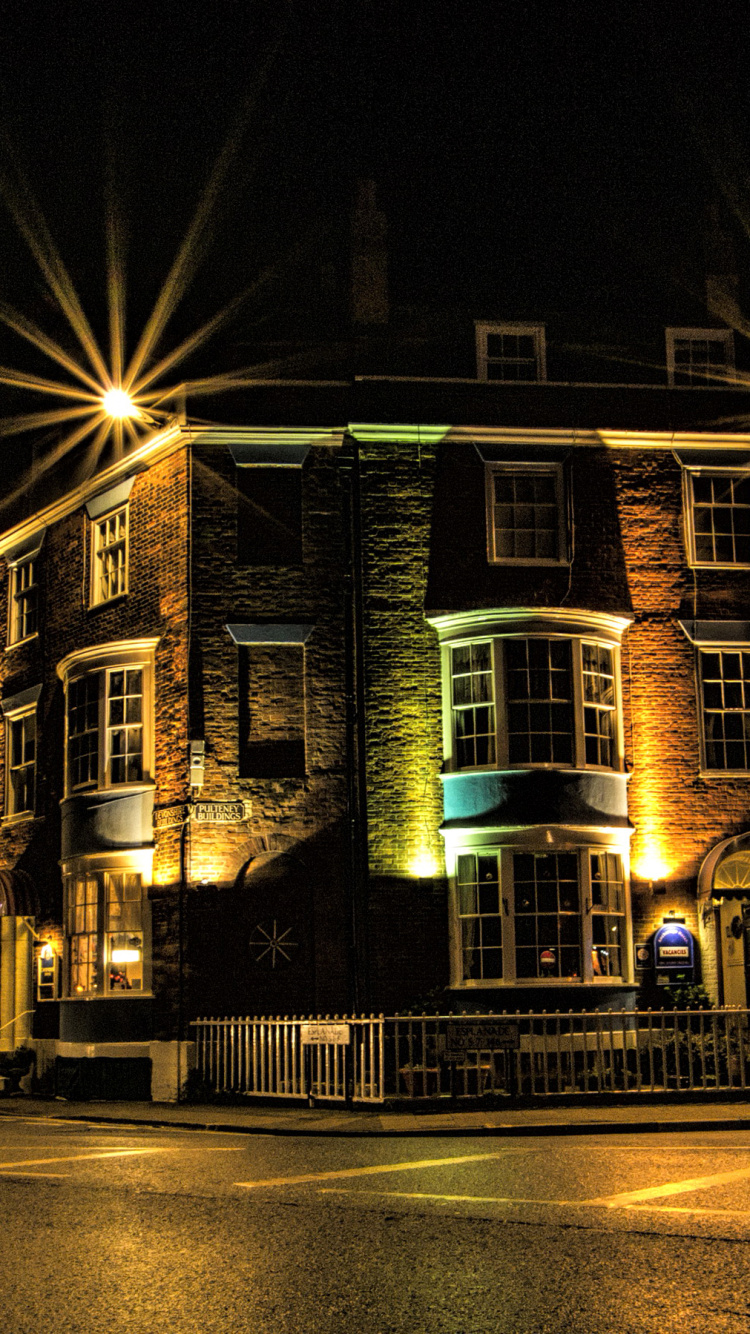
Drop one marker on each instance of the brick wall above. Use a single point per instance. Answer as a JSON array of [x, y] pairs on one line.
[[156, 605], [301, 814], [407, 889], [678, 815]]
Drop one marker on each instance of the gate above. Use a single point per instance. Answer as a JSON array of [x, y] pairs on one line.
[[333, 1059]]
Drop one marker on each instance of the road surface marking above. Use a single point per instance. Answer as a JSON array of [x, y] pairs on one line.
[[629, 1197], [502, 1199], [78, 1158], [683, 1209], [370, 1171], [43, 1175], [427, 1195]]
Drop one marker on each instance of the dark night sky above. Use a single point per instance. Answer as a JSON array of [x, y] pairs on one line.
[[529, 155]]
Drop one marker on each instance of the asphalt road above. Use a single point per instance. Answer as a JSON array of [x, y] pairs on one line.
[[171, 1231]]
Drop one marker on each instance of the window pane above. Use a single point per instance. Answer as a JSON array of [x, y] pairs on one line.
[[472, 693], [721, 518], [725, 692], [110, 556], [125, 744], [83, 731], [539, 671], [480, 916], [525, 514], [547, 915]]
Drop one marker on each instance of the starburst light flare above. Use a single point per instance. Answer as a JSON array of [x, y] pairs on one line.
[[111, 401]]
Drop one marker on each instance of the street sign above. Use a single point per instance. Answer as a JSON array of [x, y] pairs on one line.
[[312, 1034], [489, 1035]]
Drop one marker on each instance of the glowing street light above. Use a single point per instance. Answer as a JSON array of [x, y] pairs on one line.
[[117, 403]]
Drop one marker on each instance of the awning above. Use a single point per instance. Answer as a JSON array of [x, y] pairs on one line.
[[270, 633], [716, 632]]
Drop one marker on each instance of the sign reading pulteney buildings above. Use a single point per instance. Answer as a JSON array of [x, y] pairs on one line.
[[204, 812]]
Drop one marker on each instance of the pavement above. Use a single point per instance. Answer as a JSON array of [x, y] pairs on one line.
[[638, 1116]]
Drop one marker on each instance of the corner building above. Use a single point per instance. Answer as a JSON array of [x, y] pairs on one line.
[[376, 712]]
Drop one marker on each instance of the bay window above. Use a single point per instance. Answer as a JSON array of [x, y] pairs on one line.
[[537, 700], [108, 716], [527, 916], [105, 933]]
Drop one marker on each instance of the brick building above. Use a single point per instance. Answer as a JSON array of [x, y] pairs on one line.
[[395, 690]]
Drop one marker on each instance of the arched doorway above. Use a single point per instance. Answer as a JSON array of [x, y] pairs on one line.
[[18, 909], [724, 891]]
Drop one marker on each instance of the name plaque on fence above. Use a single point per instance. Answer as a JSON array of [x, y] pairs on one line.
[[338, 1034], [492, 1035]]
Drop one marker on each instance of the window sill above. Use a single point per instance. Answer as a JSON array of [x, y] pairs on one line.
[[109, 996], [18, 643], [718, 565], [121, 790], [724, 773], [22, 817], [554, 983], [551, 562], [110, 602], [543, 767]]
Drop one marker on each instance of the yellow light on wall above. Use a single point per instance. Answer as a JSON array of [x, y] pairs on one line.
[[651, 865], [424, 866]]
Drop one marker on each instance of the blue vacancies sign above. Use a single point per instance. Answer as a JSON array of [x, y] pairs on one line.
[[673, 947]]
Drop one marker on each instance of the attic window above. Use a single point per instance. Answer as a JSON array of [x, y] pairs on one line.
[[511, 352], [700, 357]]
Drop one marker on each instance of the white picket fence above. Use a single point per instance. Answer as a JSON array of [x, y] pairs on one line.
[[366, 1059], [331, 1058]]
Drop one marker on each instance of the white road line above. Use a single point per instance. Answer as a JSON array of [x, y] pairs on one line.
[[43, 1175], [510, 1201], [628, 1197], [427, 1195], [79, 1157], [369, 1171]]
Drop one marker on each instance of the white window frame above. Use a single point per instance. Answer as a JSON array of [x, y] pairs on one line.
[[553, 470], [702, 651], [500, 702], [100, 664], [20, 596], [483, 329], [13, 719], [587, 911], [99, 876], [689, 477], [101, 554], [676, 335]]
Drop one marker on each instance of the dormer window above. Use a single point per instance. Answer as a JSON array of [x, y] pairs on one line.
[[511, 352], [700, 357], [524, 513]]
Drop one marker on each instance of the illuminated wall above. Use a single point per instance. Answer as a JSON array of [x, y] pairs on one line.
[[403, 703]]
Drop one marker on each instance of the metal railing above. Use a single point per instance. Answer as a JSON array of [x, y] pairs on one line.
[[337, 1059], [622, 1051], [408, 1057]]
